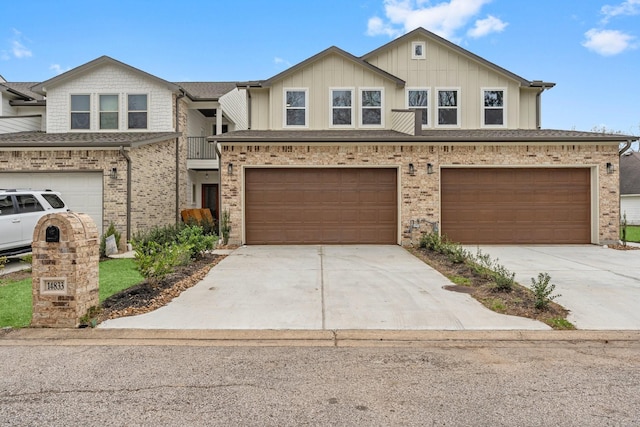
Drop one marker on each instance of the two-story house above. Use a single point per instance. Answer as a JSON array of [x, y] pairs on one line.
[[120, 144], [416, 135]]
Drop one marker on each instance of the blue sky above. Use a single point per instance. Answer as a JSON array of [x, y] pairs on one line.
[[589, 48]]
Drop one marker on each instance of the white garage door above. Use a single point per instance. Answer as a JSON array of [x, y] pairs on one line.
[[82, 191]]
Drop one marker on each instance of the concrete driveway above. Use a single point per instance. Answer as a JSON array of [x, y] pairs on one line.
[[323, 287], [600, 286]]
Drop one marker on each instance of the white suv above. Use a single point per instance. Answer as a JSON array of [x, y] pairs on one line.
[[20, 211]]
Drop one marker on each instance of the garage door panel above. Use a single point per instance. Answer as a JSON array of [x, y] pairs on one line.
[[81, 191], [320, 205], [545, 205]]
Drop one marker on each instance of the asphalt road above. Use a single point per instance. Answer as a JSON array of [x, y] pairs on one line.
[[444, 383]]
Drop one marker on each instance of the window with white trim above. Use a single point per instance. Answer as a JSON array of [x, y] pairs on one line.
[[418, 99], [341, 107], [493, 107], [371, 105], [418, 50], [296, 103], [109, 111], [137, 111], [80, 111], [448, 107]]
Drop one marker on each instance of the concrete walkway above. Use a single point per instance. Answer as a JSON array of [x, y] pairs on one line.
[[600, 286], [323, 288]]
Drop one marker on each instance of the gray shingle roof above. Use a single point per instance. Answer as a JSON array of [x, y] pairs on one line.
[[83, 139], [630, 173], [24, 88], [206, 90], [432, 135]]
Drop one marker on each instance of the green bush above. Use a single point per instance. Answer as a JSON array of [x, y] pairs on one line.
[[154, 260], [194, 237], [225, 226], [111, 231], [542, 291], [163, 235]]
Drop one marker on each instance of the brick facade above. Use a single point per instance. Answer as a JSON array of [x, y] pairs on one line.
[[419, 194]]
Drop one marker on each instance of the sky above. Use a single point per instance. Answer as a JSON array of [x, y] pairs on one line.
[[589, 48]]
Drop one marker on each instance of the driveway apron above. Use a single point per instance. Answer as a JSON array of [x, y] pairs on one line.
[[323, 287], [600, 286]]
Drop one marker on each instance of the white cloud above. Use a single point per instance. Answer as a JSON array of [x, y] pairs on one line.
[[487, 26], [279, 61], [58, 69], [608, 42], [626, 8], [444, 18], [18, 49]]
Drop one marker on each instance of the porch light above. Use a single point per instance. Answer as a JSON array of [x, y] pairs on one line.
[[230, 168], [412, 169], [113, 173], [429, 168], [610, 168]]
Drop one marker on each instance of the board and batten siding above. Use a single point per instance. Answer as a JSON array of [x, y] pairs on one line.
[[332, 71], [445, 68], [110, 80], [234, 105]]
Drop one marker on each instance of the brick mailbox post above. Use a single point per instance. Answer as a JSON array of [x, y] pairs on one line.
[[64, 269]]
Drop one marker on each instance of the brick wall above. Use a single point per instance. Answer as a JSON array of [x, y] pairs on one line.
[[420, 193]]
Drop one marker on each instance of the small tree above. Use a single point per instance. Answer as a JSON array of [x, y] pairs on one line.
[[624, 229], [111, 231], [225, 226], [542, 291]]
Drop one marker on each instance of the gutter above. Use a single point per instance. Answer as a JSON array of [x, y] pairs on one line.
[[177, 155], [126, 156]]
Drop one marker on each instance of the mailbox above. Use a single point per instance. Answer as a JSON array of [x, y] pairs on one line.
[[52, 234]]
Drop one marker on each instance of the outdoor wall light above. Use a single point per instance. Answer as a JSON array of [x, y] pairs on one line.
[[610, 168], [412, 169], [429, 168], [230, 168], [113, 173]]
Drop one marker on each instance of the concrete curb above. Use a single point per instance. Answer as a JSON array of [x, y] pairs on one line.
[[306, 338]]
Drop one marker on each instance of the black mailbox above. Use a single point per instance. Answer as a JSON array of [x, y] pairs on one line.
[[52, 234]]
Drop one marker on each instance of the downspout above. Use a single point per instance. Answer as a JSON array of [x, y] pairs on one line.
[[626, 147], [539, 107], [248, 108], [177, 155], [128, 159], [219, 154]]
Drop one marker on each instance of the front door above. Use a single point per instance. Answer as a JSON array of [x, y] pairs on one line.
[[210, 199]]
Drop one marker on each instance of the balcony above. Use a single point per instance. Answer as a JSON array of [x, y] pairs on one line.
[[200, 153], [200, 149]]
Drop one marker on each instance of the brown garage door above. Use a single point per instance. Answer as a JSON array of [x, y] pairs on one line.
[[314, 206], [516, 205]]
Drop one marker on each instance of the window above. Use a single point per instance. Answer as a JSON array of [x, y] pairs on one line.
[[493, 107], [448, 107], [371, 104], [6, 205], [418, 50], [419, 99], [80, 111], [341, 108], [295, 107], [108, 111], [137, 106], [28, 203]]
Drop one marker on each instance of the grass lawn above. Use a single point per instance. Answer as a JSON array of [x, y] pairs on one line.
[[15, 297], [633, 233]]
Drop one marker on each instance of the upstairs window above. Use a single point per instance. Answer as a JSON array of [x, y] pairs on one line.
[[137, 111], [418, 99], [493, 103], [80, 111], [448, 107], [371, 104], [296, 111], [108, 111], [418, 50], [341, 108]]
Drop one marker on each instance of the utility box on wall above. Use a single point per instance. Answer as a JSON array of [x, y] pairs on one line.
[[64, 269]]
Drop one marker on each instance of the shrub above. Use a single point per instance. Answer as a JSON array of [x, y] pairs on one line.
[[194, 237], [542, 291], [154, 260], [431, 241], [163, 235], [504, 279], [624, 229], [225, 226], [3, 261], [111, 231]]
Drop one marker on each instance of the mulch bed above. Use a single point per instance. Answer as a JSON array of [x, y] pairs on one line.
[[519, 302], [149, 295]]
